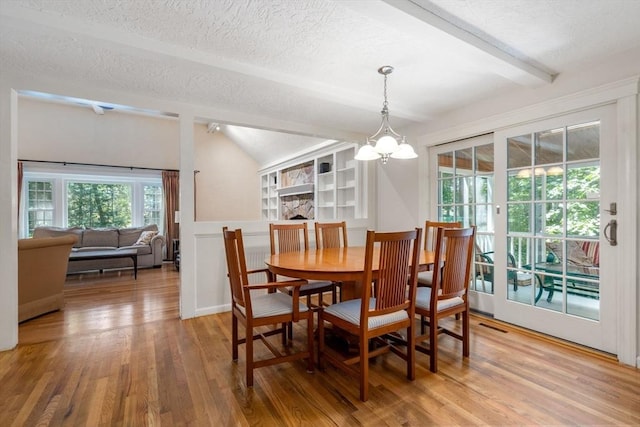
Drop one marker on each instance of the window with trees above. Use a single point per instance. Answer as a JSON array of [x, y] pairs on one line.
[[90, 200], [39, 204], [465, 194], [98, 205], [553, 206]]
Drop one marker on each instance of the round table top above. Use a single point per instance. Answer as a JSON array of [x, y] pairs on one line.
[[339, 264]]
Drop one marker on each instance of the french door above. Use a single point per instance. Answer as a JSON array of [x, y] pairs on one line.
[[541, 197], [555, 196]]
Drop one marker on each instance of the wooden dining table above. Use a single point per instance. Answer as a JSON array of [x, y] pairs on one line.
[[344, 265]]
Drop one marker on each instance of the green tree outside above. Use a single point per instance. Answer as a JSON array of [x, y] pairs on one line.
[[98, 205]]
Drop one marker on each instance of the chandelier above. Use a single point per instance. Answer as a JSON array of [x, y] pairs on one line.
[[388, 143]]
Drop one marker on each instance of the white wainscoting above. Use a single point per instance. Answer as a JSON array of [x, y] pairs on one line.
[[212, 291]]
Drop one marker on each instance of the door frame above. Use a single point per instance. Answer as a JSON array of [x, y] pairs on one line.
[[624, 95], [599, 334]]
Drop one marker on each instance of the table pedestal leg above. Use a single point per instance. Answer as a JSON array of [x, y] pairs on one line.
[[350, 290]]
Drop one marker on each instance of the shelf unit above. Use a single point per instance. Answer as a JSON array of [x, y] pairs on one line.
[[346, 184], [337, 187], [326, 187], [333, 186], [269, 194]]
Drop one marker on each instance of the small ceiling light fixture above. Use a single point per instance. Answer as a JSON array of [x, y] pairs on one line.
[[213, 127], [388, 143]]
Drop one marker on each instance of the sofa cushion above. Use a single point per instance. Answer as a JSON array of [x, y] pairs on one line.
[[575, 253], [41, 232], [94, 248], [142, 250], [100, 237], [145, 238], [592, 249], [129, 236]]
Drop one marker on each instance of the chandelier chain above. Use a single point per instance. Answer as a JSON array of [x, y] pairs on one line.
[[384, 105]]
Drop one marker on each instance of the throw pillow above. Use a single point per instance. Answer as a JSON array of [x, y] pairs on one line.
[[575, 253], [145, 238]]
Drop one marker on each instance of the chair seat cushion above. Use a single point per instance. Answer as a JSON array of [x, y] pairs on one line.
[[273, 304], [350, 311], [425, 278], [524, 279], [423, 300], [314, 286]]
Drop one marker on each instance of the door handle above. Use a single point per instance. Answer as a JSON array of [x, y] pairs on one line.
[[612, 227]]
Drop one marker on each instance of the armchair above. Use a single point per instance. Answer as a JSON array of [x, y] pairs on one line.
[[42, 270]]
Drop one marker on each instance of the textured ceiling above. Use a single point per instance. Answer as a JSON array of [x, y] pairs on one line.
[[313, 62]]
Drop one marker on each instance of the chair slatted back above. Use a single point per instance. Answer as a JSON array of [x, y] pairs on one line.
[[236, 266], [288, 238], [331, 235], [452, 280], [398, 258], [431, 229]]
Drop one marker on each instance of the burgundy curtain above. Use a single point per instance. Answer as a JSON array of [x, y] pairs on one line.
[[171, 189], [20, 173]]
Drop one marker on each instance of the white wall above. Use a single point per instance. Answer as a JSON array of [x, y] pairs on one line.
[[228, 186], [398, 195], [8, 219], [211, 283], [51, 131]]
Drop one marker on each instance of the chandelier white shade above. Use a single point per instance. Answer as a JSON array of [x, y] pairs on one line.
[[388, 143]]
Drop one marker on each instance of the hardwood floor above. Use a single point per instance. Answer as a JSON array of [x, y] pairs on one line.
[[119, 355]]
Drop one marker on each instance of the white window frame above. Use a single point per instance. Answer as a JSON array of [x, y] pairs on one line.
[[61, 175]]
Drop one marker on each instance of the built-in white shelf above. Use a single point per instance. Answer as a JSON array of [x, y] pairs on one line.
[[295, 189], [335, 190]]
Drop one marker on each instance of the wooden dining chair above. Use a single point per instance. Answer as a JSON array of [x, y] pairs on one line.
[[448, 294], [430, 231], [332, 235], [295, 238], [426, 277], [388, 307], [256, 310]]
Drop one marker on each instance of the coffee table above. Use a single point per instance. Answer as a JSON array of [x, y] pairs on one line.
[[108, 254]]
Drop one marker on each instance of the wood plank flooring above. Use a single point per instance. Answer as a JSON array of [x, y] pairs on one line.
[[118, 355]]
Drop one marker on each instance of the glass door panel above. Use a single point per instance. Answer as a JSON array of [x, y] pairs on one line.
[[552, 228], [465, 194]]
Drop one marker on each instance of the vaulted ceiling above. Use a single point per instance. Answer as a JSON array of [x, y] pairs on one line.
[[312, 64]]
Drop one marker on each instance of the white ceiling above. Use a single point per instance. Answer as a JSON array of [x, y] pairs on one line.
[[311, 64]]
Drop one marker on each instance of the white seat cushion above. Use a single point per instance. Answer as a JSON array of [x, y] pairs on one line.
[[423, 300], [350, 311], [309, 287], [274, 304], [315, 284], [524, 279], [425, 278]]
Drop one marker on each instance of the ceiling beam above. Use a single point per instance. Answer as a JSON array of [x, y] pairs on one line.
[[413, 17], [509, 66]]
